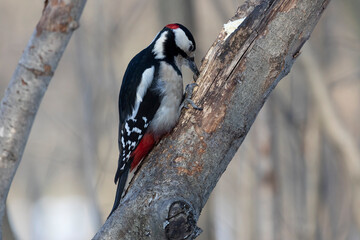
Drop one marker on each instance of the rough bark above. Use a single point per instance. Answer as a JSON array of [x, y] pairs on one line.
[[29, 82], [238, 73]]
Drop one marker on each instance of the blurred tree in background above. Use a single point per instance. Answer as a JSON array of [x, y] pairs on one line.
[[289, 180]]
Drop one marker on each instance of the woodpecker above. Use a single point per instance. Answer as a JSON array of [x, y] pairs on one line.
[[151, 97]]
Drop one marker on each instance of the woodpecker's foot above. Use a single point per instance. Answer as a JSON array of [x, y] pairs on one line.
[[188, 94]]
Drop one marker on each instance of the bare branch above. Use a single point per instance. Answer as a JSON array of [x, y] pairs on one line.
[[29, 82], [238, 73]]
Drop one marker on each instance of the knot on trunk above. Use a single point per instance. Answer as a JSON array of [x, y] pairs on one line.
[[181, 222]]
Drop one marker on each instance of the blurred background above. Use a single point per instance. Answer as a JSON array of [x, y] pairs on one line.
[[290, 178]]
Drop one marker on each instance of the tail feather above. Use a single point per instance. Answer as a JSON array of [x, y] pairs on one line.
[[143, 148], [120, 189]]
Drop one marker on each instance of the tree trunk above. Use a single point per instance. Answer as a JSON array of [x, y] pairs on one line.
[[256, 49], [29, 82]]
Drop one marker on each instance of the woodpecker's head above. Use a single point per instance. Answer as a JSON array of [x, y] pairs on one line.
[[176, 43]]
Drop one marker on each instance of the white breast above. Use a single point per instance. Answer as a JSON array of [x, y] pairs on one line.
[[168, 113]]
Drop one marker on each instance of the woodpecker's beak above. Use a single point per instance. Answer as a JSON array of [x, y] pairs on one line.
[[192, 65]]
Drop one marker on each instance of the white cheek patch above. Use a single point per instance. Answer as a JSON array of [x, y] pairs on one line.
[[182, 41]]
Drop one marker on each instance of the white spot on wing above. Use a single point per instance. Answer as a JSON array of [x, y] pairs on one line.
[[128, 131], [137, 130], [122, 142], [159, 46], [146, 80], [231, 26]]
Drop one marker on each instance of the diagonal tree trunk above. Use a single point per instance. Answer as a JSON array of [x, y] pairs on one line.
[[29, 82], [253, 52]]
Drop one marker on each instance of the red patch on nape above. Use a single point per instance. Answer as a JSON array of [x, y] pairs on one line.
[[144, 147], [172, 26]]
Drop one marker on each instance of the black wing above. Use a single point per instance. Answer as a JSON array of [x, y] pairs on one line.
[[127, 103], [134, 120]]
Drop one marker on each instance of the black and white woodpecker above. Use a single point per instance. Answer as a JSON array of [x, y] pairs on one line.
[[151, 97]]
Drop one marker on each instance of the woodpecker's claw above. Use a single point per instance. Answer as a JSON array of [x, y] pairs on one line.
[[189, 89], [187, 101], [188, 94]]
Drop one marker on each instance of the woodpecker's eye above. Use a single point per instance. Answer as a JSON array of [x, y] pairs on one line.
[[191, 48]]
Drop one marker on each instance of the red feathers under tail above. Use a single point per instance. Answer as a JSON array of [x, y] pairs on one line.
[[144, 147]]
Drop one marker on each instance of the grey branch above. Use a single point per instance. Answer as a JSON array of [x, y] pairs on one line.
[[243, 66], [29, 82]]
